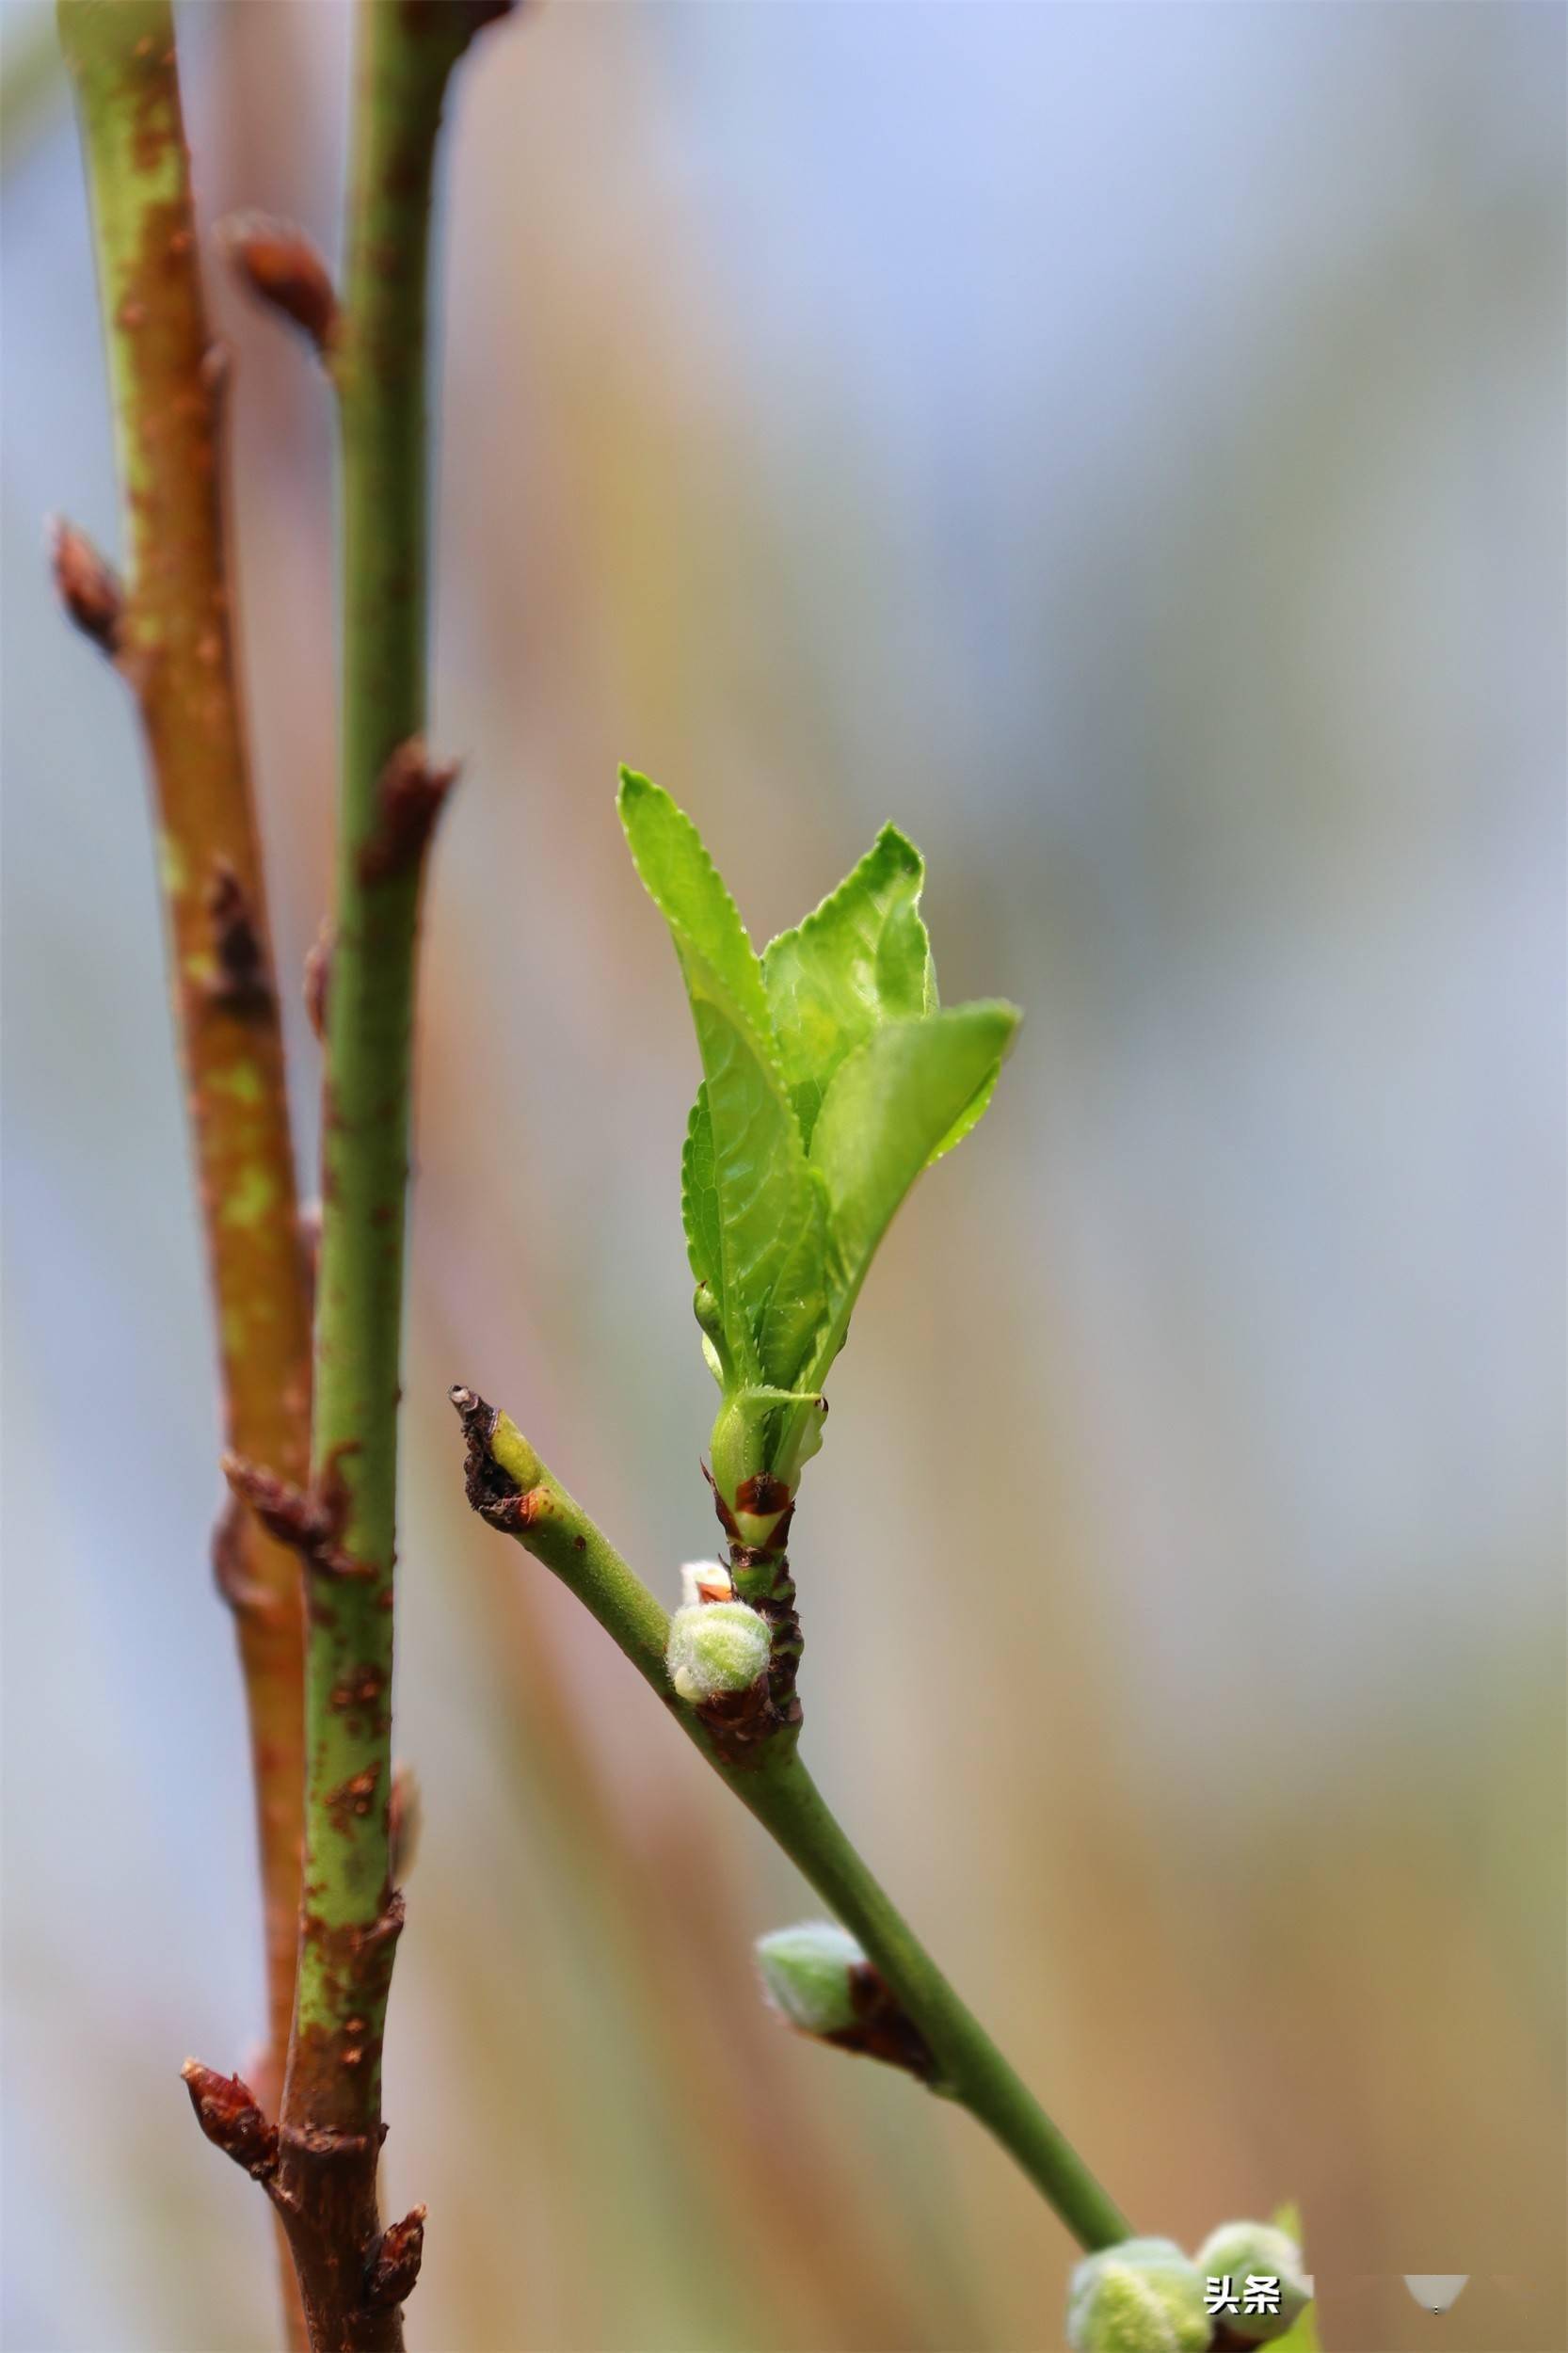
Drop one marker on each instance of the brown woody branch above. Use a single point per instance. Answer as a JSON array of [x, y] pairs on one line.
[[169, 632]]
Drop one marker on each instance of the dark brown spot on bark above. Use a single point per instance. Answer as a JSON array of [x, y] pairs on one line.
[[352, 1799], [240, 983]]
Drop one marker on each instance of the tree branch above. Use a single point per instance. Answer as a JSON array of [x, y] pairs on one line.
[[510, 1487], [353, 2277], [169, 632]]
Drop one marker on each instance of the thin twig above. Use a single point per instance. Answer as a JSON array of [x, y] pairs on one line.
[[510, 1487], [354, 2277], [168, 631]]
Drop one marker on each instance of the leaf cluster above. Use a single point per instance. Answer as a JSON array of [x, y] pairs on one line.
[[831, 1077]]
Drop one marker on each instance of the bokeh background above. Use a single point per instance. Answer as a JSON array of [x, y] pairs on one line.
[[1124, 446]]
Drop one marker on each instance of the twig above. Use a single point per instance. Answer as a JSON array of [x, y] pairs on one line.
[[510, 1487], [354, 2277], [168, 631]]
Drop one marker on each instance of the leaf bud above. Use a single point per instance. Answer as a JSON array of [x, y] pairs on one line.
[[717, 1647], [1256, 2253], [808, 1974], [1142, 2297]]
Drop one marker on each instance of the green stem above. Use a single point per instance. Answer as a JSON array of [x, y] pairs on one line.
[[390, 796], [511, 1487]]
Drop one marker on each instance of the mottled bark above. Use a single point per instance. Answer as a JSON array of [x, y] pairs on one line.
[[170, 631]]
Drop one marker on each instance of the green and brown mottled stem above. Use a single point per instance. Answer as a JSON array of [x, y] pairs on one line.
[[330, 2126], [168, 631], [510, 1487]]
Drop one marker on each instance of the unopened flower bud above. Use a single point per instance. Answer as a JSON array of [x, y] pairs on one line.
[[717, 1647], [808, 1974], [1257, 2257], [1142, 2297], [705, 1580]]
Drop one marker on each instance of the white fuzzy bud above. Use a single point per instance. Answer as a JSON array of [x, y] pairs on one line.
[[807, 1975], [1245, 2252], [717, 1648], [705, 1580], [1142, 2297]]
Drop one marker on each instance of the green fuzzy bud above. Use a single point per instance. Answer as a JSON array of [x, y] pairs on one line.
[[1142, 2297], [807, 1975], [1239, 2251], [715, 1648]]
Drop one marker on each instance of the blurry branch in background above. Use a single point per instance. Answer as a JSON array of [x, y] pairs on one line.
[[32, 81], [322, 2174], [169, 632]]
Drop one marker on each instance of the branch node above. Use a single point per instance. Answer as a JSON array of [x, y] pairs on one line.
[[309, 1520], [280, 267], [393, 2265], [227, 2111], [410, 797], [241, 1592], [87, 587]]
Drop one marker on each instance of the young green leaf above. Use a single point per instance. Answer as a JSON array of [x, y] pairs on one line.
[[770, 1275], [894, 1103], [860, 959], [686, 888], [699, 1201], [755, 1226]]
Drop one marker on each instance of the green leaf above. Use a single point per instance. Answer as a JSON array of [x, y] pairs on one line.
[[686, 888], [893, 1103], [862, 959], [970, 1116], [755, 1224], [699, 1200], [798, 1297]]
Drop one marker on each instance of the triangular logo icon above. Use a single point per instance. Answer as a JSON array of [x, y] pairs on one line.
[[1436, 2291]]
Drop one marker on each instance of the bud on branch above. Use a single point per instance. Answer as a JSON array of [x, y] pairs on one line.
[[279, 265], [1141, 2297], [89, 588]]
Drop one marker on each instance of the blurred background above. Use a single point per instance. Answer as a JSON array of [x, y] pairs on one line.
[[1124, 446]]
